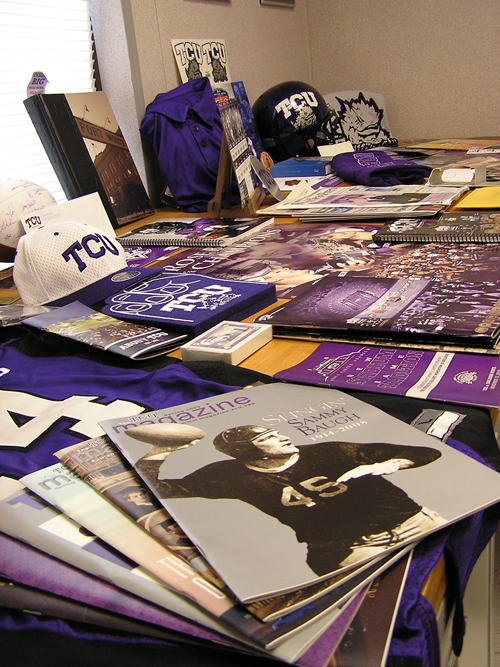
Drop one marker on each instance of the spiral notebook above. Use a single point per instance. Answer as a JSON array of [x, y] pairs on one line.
[[451, 227], [195, 232]]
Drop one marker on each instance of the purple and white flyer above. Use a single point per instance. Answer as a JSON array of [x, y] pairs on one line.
[[470, 379]]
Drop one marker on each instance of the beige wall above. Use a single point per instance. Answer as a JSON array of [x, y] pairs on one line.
[[437, 62], [265, 45]]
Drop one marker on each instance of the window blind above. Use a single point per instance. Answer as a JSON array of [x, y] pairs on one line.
[[49, 36]]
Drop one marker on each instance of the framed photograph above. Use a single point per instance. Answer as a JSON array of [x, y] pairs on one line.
[[279, 3]]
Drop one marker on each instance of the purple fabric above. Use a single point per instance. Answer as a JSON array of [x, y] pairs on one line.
[[415, 638], [185, 129], [377, 168]]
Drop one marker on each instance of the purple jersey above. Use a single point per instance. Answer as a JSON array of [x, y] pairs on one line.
[[51, 403], [185, 129]]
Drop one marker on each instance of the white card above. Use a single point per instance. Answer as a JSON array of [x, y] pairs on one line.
[[88, 209]]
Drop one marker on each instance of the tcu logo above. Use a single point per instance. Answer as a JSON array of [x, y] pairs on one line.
[[209, 51], [297, 102], [93, 246], [198, 297]]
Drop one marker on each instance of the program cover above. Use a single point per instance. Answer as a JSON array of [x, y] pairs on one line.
[[281, 486], [239, 148], [470, 379], [453, 312]]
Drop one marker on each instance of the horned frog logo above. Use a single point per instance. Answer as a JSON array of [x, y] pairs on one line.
[[361, 122], [465, 377], [305, 118], [193, 70]]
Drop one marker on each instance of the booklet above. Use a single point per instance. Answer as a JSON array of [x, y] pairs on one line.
[[203, 232], [91, 327], [470, 379], [282, 485]]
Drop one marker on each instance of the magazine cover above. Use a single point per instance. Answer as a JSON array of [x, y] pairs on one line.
[[36, 601], [99, 463], [451, 312], [471, 379], [92, 327], [284, 485], [286, 256], [61, 487], [24, 564], [354, 214], [322, 651], [367, 640], [27, 517]]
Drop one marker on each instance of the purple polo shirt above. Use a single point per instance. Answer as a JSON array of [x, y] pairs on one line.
[[185, 130]]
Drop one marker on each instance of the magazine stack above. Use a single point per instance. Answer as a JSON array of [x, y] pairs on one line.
[[260, 518]]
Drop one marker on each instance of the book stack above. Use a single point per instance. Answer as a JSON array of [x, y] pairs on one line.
[[239, 521]]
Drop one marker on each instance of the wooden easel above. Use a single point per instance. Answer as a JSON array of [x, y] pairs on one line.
[[220, 205]]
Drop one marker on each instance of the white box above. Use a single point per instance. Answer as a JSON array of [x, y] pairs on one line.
[[227, 341]]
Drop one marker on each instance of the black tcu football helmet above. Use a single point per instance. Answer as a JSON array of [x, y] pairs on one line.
[[293, 119]]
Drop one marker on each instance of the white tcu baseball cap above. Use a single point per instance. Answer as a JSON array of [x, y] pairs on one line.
[[71, 261]]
